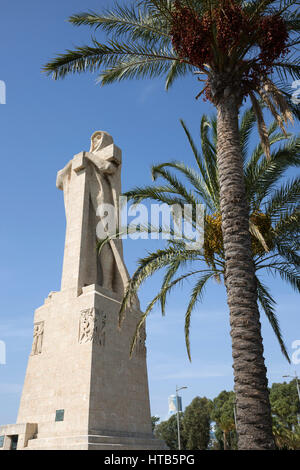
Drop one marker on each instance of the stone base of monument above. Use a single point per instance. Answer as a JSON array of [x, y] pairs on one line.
[[23, 436], [96, 442], [16, 436], [82, 390]]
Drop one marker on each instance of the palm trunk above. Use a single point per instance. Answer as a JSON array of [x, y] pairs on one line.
[[254, 424]]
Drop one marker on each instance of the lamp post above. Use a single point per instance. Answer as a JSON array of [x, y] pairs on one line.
[[178, 424]]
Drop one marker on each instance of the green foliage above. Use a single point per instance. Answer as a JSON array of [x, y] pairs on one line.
[[194, 427], [286, 439], [285, 403], [195, 421], [167, 431], [223, 415], [140, 43], [154, 421]]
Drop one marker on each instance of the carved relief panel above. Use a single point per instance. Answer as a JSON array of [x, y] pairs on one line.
[[38, 336], [92, 326]]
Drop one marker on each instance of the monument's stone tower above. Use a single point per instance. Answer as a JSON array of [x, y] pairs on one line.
[[82, 391]]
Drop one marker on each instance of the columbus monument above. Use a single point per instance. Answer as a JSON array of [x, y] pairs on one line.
[[81, 390]]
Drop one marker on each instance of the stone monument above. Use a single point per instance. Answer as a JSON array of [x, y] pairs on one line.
[[81, 390]]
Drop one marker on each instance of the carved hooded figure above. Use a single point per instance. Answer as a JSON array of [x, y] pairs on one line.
[[105, 190], [102, 167]]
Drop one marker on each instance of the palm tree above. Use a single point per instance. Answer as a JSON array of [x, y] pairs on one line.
[[273, 222], [236, 45], [223, 415], [226, 425], [286, 438]]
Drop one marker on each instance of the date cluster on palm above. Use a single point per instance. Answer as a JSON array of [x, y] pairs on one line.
[[229, 26]]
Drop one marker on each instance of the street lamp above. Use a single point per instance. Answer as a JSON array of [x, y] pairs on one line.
[[177, 406]]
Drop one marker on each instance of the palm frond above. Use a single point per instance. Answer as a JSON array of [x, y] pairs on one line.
[[282, 198], [255, 7], [292, 20], [269, 103], [252, 167], [161, 194], [289, 222], [196, 295], [288, 250], [197, 155], [214, 130], [121, 61], [166, 281], [209, 159], [193, 177], [136, 24], [261, 125], [159, 8], [279, 100], [268, 305], [285, 70], [288, 92], [176, 69], [174, 182], [246, 127], [152, 263], [254, 230], [163, 291], [262, 178], [288, 274]]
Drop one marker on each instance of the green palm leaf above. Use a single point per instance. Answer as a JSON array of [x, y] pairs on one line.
[[268, 305], [266, 193], [196, 295]]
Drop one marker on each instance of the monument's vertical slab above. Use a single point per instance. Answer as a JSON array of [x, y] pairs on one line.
[[78, 251], [81, 390]]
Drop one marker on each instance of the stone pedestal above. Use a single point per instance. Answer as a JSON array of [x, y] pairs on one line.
[[84, 376]]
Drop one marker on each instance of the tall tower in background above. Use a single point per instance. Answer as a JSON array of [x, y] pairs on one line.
[[172, 400]]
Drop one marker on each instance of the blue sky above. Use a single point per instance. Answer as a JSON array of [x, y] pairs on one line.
[[42, 125]]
